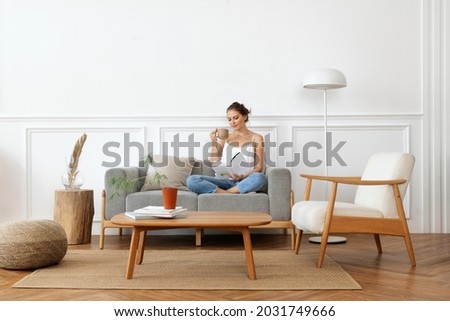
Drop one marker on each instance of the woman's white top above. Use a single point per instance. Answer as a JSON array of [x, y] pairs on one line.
[[240, 159]]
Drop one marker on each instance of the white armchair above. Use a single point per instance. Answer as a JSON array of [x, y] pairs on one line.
[[377, 208]]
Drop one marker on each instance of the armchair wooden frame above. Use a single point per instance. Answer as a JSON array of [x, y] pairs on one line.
[[359, 225]]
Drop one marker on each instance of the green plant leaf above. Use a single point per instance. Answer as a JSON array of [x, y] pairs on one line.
[[127, 185]]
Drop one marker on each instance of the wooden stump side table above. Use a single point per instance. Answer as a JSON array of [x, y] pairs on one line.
[[74, 210]]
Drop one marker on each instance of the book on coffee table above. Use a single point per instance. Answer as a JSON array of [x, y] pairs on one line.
[[149, 212]]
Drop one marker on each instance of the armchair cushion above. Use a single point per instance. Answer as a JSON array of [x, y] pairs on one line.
[[384, 166], [314, 221]]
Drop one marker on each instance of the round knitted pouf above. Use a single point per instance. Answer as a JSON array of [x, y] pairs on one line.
[[31, 244]]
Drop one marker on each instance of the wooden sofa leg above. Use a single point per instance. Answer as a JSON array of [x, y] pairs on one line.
[[102, 238], [198, 237]]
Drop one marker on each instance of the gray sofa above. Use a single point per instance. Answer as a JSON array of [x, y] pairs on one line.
[[275, 199]]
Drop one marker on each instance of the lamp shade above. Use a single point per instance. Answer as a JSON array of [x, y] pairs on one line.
[[325, 78]]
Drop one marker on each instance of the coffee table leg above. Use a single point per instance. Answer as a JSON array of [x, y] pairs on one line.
[[249, 253], [141, 248], [133, 251]]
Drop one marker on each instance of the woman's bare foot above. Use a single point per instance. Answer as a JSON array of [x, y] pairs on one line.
[[222, 191], [233, 190]]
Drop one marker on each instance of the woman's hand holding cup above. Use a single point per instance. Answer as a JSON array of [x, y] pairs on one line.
[[222, 133], [219, 133]]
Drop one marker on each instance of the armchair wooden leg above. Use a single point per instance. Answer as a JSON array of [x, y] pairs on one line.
[[298, 238], [410, 250], [323, 249], [327, 223], [405, 233], [292, 227]]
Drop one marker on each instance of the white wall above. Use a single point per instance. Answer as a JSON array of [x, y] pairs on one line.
[[156, 68], [446, 118], [163, 57]]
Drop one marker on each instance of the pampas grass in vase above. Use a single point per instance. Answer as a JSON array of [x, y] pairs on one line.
[[72, 178]]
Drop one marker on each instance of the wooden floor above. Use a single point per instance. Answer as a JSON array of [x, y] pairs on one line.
[[383, 277]]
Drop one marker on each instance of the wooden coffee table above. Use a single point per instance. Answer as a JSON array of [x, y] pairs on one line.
[[235, 221]]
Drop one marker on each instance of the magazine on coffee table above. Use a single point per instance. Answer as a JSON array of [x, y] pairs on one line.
[[150, 212]]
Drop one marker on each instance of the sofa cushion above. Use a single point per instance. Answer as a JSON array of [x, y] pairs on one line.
[[253, 202], [203, 167], [175, 169]]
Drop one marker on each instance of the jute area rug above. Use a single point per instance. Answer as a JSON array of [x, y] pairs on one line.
[[191, 270]]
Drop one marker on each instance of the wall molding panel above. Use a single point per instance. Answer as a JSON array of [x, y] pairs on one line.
[[48, 150], [361, 141], [40, 150]]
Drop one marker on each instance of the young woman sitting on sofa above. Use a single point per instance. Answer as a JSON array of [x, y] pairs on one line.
[[241, 154]]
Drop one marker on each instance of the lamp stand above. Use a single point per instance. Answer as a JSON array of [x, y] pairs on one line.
[[331, 239], [325, 129]]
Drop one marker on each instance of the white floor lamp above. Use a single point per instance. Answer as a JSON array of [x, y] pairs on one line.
[[325, 79]]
